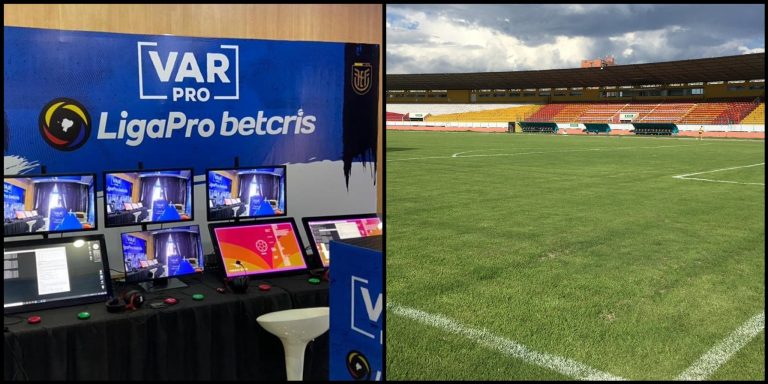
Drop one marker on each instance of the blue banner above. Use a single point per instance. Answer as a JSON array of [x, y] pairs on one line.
[[13, 200], [219, 187], [118, 191], [134, 250], [259, 207], [90, 101], [158, 209], [56, 217], [356, 311]]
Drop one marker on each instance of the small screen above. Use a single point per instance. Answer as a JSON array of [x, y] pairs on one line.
[[163, 253], [149, 196], [262, 248], [49, 204], [109, 209], [55, 273], [322, 230], [246, 192]]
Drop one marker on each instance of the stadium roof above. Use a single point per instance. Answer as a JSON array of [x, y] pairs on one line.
[[741, 67]]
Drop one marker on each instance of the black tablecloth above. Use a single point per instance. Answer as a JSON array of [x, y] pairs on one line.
[[217, 338]]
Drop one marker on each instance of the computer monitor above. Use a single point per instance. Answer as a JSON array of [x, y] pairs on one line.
[[55, 272], [154, 257], [321, 230], [262, 248], [142, 196], [245, 192], [38, 204]]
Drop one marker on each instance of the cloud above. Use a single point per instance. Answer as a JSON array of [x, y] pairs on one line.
[[478, 38], [744, 50]]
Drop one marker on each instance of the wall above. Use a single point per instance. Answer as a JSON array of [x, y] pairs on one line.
[[359, 23]]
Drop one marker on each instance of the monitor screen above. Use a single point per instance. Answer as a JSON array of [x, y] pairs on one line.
[[246, 192], [142, 196], [321, 230], [49, 204], [55, 272], [162, 253], [264, 247]]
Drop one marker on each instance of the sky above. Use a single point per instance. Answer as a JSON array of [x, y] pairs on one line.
[[456, 38]]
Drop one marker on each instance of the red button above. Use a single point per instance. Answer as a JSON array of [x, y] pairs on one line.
[[265, 287], [34, 319], [170, 301]]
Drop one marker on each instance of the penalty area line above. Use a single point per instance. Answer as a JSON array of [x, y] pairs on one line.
[[722, 352], [686, 176], [506, 346]]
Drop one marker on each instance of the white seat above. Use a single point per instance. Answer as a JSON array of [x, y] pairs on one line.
[[296, 328]]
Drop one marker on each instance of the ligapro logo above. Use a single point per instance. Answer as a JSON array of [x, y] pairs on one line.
[[184, 76], [65, 124], [116, 181]]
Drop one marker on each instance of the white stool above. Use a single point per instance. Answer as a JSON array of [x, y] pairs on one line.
[[295, 328]]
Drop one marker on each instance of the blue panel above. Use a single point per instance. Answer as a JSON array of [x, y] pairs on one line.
[[356, 313]]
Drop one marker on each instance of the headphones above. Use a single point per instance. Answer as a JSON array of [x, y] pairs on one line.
[[239, 284], [131, 299]]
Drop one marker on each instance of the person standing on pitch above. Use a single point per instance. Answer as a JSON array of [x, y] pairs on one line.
[[701, 131]]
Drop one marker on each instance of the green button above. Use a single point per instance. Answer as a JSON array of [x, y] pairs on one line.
[[83, 315], [314, 280], [198, 296]]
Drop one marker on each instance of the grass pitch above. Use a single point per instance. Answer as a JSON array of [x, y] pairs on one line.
[[581, 247]]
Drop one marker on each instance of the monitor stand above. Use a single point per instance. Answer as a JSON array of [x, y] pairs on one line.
[[162, 284]]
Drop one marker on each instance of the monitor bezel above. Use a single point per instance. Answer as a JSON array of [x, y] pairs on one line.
[[311, 238], [202, 255], [73, 301], [191, 184], [95, 202], [259, 275], [208, 195]]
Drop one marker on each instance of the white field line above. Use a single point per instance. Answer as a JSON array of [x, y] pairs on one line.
[[508, 347], [631, 137], [685, 177], [455, 155], [719, 354]]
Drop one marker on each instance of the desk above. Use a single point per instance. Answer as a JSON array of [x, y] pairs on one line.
[[221, 213], [214, 339], [15, 227], [120, 218]]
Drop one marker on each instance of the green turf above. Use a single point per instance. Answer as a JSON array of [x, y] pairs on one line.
[[591, 251], [747, 362]]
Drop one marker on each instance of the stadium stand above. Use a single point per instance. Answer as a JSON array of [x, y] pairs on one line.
[[667, 112], [723, 95], [717, 113], [757, 116], [392, 116], [492, 115], [441, 109]]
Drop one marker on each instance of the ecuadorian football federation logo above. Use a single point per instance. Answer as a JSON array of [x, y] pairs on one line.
[[65, 124], [358, 366], [361, 78]]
